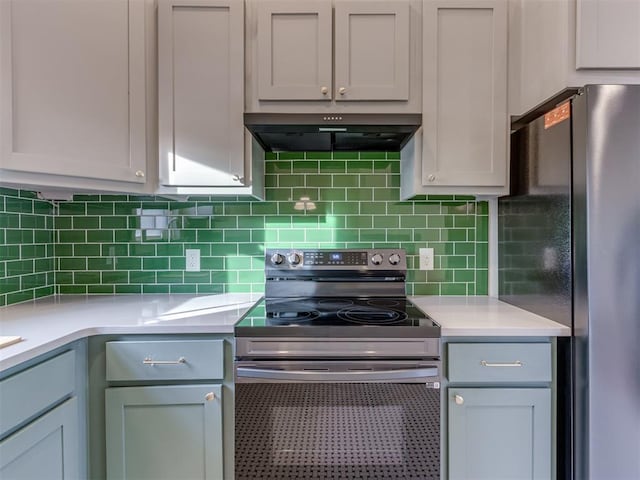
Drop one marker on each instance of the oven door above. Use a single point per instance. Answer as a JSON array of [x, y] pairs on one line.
[[338, 420]]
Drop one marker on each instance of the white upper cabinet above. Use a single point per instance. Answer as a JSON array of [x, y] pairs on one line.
[[558, 44], [73, 92], [462, 146], [608, 34], [358, 56], [371, 50], [294, 50], [200, 91]]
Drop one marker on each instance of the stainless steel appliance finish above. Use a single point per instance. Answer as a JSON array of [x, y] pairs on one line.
[[340, 382], [569, 249], [332, 131]]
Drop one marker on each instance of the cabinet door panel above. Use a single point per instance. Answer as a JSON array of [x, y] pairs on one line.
[[372, 50], [465, 112], [294, 50], [165, 432], [73, 88], [499, 433], [46, 448], [201, 65], [607, 34]]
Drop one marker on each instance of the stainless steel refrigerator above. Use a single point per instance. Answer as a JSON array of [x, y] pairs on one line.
[[569, 249]]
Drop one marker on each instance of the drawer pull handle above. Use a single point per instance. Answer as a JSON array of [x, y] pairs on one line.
[[210, 396], [459, 399], [152, 362], [517, 363]]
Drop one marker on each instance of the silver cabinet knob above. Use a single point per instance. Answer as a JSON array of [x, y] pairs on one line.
[[238, 178], [342, 90], [210, 396], [431, 177], [394, 259], [458, 399], [376, 259], [277, 259], [294, 258], [324, 90], [140, 174]]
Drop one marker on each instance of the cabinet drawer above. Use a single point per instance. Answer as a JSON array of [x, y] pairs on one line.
[[165, 360], [32, 391], [499, 362]]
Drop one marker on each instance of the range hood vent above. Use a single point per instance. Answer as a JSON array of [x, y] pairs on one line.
[[284, 132]]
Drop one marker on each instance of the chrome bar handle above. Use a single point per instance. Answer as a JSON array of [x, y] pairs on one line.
[[517, 363], [342, 376], [150, 361]]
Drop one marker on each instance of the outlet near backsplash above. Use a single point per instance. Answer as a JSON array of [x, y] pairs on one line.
[[109, 244]]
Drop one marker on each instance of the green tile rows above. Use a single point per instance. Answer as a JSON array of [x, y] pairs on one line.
[[27, 265], [128, 244]]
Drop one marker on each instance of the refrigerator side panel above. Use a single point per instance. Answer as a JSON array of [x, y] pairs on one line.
[[613, 271], [534, 233]]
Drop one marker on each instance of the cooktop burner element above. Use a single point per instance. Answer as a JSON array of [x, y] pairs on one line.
[[370, 316]]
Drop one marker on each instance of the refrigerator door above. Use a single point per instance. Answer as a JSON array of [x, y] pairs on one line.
[[606, 183]]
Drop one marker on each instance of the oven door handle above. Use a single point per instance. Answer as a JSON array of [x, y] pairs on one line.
[[391, 375]]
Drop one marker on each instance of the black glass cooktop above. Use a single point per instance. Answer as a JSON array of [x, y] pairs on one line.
[[388, 316]]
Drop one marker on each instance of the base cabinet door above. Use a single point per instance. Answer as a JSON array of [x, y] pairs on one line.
[[499, 433], [46, 448], [164, 432]]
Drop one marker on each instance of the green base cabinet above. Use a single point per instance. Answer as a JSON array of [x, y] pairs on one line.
[[47, 448], [499, 433], [499, 409], [164, 432]]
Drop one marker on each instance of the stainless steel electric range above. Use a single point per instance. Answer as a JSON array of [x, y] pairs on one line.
[[337, 372]]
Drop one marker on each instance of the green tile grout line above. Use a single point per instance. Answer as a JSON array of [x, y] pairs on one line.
[[106, 244]]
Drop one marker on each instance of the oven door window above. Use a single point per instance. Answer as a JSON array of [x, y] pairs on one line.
[[337, 431]]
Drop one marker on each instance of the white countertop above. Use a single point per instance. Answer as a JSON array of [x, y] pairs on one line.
[[51, 322], [486, 317]]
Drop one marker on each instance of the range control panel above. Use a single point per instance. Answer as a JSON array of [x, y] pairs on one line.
[[368, 259]]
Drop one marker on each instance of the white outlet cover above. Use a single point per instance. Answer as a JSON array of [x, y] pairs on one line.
[[192, 260], [426, 258]]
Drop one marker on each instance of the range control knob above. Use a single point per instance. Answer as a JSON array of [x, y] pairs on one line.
[[277, 259], [376, 259], [294, 258], [394, 259]]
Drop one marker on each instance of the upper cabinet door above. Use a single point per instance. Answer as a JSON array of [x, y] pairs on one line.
[[465, 93], [371, 50], [72, 91], [294, 50], [608, 34], [201, 92]]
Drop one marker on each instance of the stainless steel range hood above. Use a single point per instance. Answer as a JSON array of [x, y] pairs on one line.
[[285, 132]]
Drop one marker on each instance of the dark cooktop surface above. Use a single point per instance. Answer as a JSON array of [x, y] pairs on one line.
[[318, 316]]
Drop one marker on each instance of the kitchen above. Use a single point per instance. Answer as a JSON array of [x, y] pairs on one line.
[[121, 233]]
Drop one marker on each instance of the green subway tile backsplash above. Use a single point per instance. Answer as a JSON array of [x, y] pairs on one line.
[[27, 267], [107, 244]]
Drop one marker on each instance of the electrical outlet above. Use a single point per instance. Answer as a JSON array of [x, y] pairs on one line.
[[193, 259], [426, 258]]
